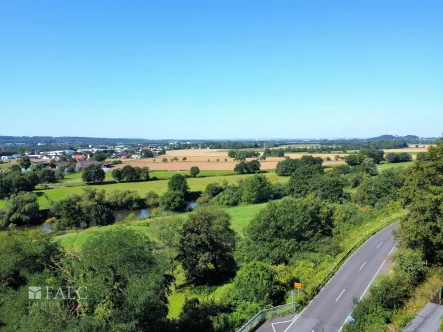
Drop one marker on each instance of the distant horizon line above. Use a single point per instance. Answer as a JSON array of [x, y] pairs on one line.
[[225, 139]]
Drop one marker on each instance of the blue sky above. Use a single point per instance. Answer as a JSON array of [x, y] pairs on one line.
[[221, 69]]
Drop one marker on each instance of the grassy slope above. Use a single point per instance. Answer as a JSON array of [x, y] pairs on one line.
[[423, 294]]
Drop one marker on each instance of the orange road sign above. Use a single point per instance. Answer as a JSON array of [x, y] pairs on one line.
[[297, 285]]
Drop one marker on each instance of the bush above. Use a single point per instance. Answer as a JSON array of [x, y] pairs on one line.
[[125, 200], [82, 211], [213, 189], [258, 283], [286, 226], [20, 209], [255, 189], [152, 199], [231, 196], [173, 201]]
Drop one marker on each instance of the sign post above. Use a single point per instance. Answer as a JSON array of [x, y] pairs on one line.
[[297, 285]]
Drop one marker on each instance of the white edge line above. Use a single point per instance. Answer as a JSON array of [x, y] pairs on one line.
[[369, 284], [296, 318], [334, 276]]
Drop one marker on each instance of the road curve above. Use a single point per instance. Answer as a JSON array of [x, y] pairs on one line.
[[329, 310]]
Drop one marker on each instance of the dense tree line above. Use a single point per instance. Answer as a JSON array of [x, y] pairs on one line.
[[400, 157], [274, 152], [248, 167], [243, 154], [130, 174], [287, 166]]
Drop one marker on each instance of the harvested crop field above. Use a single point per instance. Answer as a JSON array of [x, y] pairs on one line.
[[209, 160]]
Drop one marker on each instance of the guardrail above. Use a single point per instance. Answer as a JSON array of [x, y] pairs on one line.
[[266, 314]]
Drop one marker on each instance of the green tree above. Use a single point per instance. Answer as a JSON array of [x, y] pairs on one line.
[[82, 211], [142, 173], [125, 281], [167, 230], [354, 159], [369, 167], [129, 173], [194, 171], [255, 189], [60, 173], [27, 256], [178, 182], [100, 156], [117, 174], [173, 201], [24, 162], [375, 154], [286, 167], [47, 175], [241, 168], [93, 174], [300, 182], [285, 227], [33, 178], [378, 189], [147, 154], [253, 166], [20, 209], [207, 245]]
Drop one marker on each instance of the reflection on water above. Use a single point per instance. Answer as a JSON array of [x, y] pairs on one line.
[[123, 214]]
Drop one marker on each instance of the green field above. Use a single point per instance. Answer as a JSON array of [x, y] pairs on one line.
[[240, 216], [159, 186], [386, 166]]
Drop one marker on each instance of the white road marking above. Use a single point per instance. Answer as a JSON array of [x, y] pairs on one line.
[[295, 319], [362, 266], [379, 245], [285, 321], [340, 294], [369, 284]]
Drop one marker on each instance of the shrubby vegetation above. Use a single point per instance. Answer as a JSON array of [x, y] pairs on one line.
[[82, 211], [20, 209]]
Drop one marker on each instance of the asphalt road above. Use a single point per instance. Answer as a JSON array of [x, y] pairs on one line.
[[329, 310]]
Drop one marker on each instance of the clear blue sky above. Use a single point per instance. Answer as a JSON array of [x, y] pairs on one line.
[[221, 69]]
